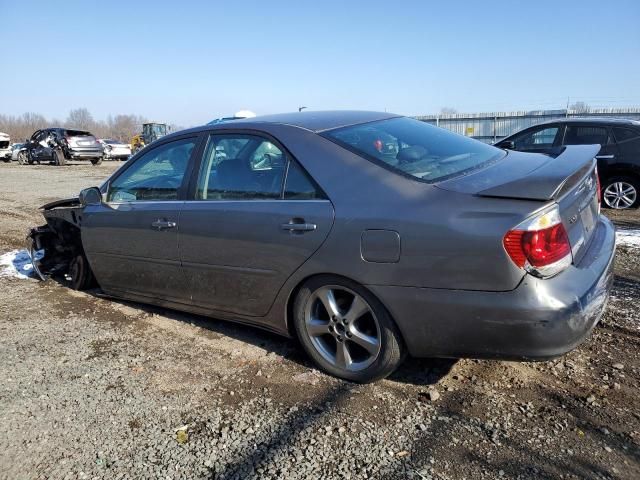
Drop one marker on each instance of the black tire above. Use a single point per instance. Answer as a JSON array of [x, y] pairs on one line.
[[392, 350], [58, 158], [610, 201], [96, 161], [23, 159], [80, 272]]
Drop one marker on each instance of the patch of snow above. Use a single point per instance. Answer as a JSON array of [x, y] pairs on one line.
[[630, 238], [17, 264]]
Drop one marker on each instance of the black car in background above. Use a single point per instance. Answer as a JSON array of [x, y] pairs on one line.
[[58, 145], [618, 159]]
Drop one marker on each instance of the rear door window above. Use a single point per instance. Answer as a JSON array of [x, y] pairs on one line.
[[586, 135], [628, 140], [299, 186], [240, 167]]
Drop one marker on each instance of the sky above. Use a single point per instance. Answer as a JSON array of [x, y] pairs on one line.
[[187, 62]]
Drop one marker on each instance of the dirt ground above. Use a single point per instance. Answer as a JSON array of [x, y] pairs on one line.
[[95, 388]]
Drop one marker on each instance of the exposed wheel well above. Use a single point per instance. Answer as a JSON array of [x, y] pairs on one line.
[[622, 173]]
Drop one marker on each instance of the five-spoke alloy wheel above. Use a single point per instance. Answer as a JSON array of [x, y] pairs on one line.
[[346, 330]]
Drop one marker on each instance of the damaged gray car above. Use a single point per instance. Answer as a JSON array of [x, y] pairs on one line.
[[367, 236]]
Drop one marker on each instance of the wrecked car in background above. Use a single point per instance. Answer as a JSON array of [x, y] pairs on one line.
[[5, 147], [115, 149], [57, 145], [368, 236]]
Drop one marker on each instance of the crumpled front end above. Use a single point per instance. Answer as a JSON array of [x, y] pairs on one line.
[[54, 245]]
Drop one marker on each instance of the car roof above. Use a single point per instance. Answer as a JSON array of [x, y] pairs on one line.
[[602, 120], [320, 121], [309, 120]]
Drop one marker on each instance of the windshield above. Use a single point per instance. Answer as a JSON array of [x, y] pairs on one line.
[[415, 148]]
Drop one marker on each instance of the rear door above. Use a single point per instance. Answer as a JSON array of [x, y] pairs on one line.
[[540, 139], [254, 217], [594, 134], [628, 142], [131, 240]]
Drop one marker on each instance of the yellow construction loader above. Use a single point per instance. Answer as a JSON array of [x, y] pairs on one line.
[[150, 133]]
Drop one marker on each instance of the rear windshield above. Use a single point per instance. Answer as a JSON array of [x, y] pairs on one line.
[[415, 148], [77, 133]]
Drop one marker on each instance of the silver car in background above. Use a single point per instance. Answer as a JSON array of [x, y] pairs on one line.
[[368, 236], [115, 149]]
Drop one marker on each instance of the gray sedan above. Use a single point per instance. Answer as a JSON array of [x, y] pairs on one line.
[[367, 236]]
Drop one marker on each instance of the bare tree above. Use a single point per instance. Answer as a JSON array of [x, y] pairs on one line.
[[579, 107], [81, 119], [22, 127], [123, 127], [448, 111]]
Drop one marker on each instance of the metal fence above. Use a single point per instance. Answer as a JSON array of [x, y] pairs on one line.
[[491, 127]]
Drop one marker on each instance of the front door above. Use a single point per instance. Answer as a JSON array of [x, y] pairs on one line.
[[131, 240], [541, 139], [246, 230]]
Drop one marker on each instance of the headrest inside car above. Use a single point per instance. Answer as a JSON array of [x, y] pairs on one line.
[[412, 154]]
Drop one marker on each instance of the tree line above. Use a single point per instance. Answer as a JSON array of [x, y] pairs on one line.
[[120, 127]]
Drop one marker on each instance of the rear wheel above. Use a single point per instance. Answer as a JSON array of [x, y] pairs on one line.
[[80, 273], [58, 158], [621, 193], [346, 330], [96, 161], [22, 158]]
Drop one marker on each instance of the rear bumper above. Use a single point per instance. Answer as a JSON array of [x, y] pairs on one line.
[[84, 153], [538, 320]]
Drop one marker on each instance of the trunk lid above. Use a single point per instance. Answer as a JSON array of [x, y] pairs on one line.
[[568, 178]]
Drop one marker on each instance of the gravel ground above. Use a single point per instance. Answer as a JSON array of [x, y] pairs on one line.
[[95, 388]]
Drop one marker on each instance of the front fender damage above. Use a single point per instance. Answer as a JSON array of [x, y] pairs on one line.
[[54, 245]]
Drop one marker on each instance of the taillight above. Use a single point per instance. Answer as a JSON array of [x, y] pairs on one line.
[[540, 245]]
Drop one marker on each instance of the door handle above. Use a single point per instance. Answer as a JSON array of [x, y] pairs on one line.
[[299, 227], [605, 157], [163, 224]]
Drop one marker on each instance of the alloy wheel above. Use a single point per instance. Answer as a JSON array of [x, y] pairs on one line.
[[620, 195], [343, 328]]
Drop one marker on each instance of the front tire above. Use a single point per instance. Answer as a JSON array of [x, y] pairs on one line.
[[346, 331], [80, 273], [22, 158], [621, 193], [96, 161]]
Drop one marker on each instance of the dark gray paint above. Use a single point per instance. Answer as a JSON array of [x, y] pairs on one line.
[[236, 255], [231, 260], [380, 246]]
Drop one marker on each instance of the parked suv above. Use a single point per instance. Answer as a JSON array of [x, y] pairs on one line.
[[618, 159], [58, 145]]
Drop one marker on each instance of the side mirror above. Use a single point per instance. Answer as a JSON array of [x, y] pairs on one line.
[[507, 145], [90, 196]]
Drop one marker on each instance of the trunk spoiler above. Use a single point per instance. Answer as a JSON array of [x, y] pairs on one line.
[[552, 179]]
